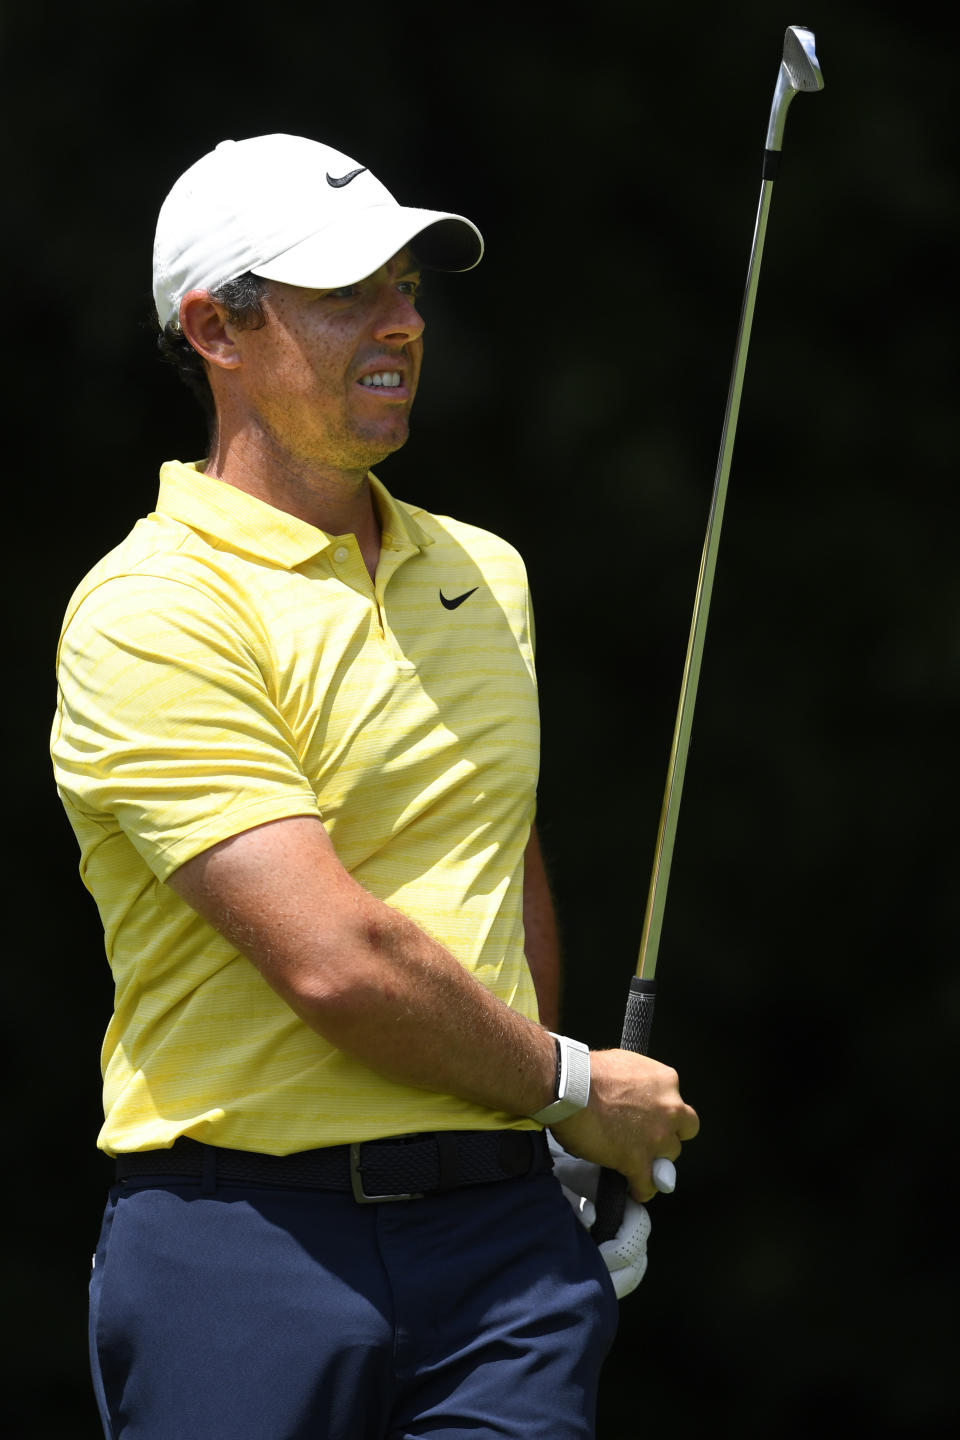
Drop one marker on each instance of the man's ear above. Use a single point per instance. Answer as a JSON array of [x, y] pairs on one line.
[[204, 323]]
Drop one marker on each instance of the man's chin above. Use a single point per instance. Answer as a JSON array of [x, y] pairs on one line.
[[358, 451], [381, 446]]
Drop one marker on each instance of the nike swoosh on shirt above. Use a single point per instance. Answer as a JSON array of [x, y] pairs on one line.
[[345, 179], [458, 599]]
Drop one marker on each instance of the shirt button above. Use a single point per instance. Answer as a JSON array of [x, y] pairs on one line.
[[341, 554]]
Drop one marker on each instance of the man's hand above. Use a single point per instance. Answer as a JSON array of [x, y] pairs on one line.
[[625, 1255], [635, 1115]]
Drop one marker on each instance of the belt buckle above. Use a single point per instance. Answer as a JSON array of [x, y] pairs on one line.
[[356, 1183]]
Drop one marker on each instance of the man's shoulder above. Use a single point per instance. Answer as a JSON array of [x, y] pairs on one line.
[[156, 552], [446, 530]]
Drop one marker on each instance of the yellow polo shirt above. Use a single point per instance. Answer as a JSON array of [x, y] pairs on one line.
[[228, 665]]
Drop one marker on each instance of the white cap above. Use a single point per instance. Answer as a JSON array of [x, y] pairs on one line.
[[293, 210]]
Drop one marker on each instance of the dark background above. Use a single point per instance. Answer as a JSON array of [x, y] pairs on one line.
[[573, 398]]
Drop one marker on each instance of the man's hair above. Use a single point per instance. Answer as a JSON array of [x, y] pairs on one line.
[[243, 299]]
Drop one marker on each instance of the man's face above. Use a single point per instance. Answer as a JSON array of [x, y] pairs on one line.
[[330, 379]]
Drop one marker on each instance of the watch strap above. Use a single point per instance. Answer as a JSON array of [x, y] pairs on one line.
[[573, 1081]]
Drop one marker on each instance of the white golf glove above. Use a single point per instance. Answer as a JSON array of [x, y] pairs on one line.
[[625, 1256]]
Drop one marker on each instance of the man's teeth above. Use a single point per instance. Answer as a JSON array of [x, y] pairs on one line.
[[382, 377]]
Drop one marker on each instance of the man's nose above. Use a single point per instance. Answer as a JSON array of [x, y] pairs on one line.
[[399, 319]]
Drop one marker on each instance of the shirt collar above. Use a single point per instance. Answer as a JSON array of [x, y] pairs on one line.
[[398, 526], [231, 516]]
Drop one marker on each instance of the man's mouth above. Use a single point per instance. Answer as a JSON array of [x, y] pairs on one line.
[[387, 379]]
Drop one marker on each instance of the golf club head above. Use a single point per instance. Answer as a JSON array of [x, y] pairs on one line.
[[799, 72], [800, 59]]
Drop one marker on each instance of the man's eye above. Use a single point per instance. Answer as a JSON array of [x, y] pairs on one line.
[[413, 288], [345, 292]]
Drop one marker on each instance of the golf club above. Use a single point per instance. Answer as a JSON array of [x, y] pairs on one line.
[[799, 72]]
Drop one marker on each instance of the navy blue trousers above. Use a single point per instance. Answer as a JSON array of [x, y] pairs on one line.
[[251, 1313]]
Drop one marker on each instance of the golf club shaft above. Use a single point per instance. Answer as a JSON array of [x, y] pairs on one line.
[[801, 73], [680, 748]]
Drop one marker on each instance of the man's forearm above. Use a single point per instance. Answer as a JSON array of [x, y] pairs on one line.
[[415, 1015], [362, 974], [377, 987]]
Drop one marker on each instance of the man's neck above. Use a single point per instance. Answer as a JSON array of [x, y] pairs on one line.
[[339, 502]]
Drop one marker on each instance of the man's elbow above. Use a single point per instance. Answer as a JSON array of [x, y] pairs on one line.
[[344, 979]]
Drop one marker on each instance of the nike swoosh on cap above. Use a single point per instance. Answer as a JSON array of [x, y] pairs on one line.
[[345, 179], [458, 599]]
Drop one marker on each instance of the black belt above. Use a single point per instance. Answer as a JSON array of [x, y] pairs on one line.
[[404, 1167]]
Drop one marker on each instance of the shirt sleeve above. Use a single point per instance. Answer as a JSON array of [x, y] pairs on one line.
[[167, 722]]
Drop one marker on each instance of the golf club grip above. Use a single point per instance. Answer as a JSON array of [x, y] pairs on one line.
[[612, 1188]]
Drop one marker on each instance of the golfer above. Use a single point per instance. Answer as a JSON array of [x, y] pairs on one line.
[[297, 738]]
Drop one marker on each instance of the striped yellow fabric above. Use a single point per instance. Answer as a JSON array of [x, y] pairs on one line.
[[229, 664]]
